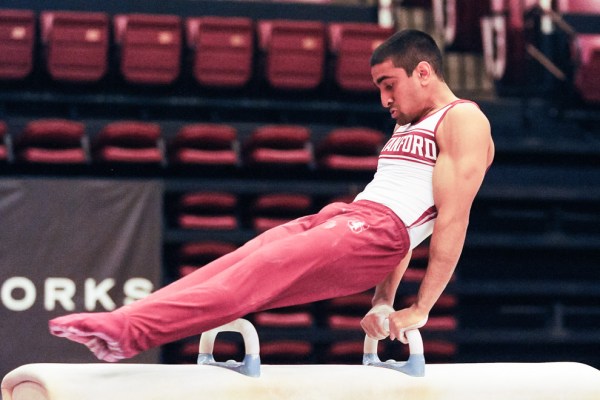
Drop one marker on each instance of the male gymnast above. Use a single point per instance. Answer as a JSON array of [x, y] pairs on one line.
[[427, 177]]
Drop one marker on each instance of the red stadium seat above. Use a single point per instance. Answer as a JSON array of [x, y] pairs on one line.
[[270, 210], [351, 45], [293, 53], [205, 144], [420, 252], [579, 6], [458, 21], [130, 142], [223, 349], [343, 319], [17, 37], [436, 351], [286, 351], [346, 351], [439, 351], [579, 21], [586, 53], [446, 303], [52, 141], [437, 323], [350, 149], [345, 322], [194, 255], [279, 145], [207, 210], [223, 50], [75, 44], [149, 47], [274, 319], [353, 304], [414, 275]]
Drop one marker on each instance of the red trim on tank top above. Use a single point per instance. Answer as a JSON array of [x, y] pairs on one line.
[[448, 108], [449, 105], [428, 215]]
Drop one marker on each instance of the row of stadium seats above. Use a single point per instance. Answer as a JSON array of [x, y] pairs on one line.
[[228, 211], [223, 52], [231, 52], [61, 141], [221, 211]]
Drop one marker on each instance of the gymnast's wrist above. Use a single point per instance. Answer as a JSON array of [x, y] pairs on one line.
[[419, 310], [382, 308]]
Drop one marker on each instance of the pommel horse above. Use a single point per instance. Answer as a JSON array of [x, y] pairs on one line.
[[249, 379]]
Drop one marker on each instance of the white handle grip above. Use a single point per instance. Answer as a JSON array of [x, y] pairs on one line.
[[415, 343], [244, 327]]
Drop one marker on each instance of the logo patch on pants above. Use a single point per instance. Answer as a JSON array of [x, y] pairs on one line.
[[357, 226]]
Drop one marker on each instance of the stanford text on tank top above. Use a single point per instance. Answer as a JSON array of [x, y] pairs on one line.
[[403, 181]]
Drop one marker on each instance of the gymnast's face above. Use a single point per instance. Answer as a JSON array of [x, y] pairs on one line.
[[399, 93]]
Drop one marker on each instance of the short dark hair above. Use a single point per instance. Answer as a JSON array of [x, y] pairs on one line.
[[407, 48]]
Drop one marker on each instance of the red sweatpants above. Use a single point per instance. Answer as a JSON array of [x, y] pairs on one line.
[[343, 249]]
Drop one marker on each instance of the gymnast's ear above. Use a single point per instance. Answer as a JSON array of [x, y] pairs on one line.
[[424, 71]]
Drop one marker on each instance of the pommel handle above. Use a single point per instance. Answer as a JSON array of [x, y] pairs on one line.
[[250, 366]]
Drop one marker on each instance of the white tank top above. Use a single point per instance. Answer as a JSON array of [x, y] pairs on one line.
[[403, 181]]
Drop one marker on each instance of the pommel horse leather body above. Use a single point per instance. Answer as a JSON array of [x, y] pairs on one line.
[[507, 381], [250, 380]]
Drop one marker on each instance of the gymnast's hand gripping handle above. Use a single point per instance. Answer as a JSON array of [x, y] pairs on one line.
[[250, 366], [414, 366]]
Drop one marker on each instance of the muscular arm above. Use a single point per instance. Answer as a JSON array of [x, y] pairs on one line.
[[465, 152]]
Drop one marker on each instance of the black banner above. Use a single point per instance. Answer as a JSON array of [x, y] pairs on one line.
[[72, 245]]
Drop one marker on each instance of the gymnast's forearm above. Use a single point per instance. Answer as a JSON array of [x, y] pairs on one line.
[[445, 249], [383, 301], [385, 292]]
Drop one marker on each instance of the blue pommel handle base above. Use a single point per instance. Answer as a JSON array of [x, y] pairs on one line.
[[414, 366]]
